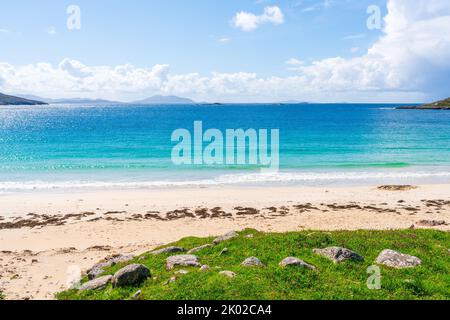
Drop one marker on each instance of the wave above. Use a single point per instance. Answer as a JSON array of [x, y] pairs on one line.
[[228, 179]]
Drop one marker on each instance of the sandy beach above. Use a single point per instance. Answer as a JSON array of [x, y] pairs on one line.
[[48, 238]]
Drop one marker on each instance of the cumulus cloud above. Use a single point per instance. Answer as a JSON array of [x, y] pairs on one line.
[[412, 55], [409, 63], [248, 21]]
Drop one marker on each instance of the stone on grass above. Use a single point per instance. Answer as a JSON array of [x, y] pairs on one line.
[[397, 260], [98, 269], [131, 275], [96, 284], [338, 254], [229, 274], [199, 248], [225, 237], [185, 260], [292, 261], [252, 262], [182, 272], [168, 250], [136, 295], [205, 268]]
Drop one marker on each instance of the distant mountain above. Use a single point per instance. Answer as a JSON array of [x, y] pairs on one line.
[[16, 101], [71, 101], [439, 105], [165, 100], [293, 102]]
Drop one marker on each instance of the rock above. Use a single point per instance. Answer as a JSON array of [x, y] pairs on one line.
[[292, 261], [199, 248], [98, 269], [338, 254], [228, 236], [171, 280], [229, 274], [182, 272], [252, 262], [397, 260], [168, 250], [131, 275], [205, 268], [431, 223], [397, 188], [224, 250], [187, 260], [136, 295], [96, 284]]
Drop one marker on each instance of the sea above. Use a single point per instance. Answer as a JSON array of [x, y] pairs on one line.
[[66, 147]]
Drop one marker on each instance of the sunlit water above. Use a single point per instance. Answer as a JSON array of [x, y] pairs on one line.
[[65, 147]]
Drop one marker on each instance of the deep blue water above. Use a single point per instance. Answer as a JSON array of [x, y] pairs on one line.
[[63, 146]]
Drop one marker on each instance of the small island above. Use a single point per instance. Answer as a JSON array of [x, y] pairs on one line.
[[439, 105], [6, 100]]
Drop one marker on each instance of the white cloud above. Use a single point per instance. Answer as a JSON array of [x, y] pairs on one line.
[[248, 21], [51, 30], [224, 40], [326, 4], [4, 30], [355, 36], [409, 63], [294, 62]]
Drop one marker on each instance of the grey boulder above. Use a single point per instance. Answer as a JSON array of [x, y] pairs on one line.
[[338, 254], [292, 261], [185, 260], [96, 284], [226, 237], [252, 262], [397, 260], [131, 275], [98, 269], [168, 250], [199, 248]]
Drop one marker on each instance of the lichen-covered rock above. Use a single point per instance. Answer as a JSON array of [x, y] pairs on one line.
[[199, 248], [96, 284], [292, 261], [226, 237], [185, 260], [338, 254], [252, 262], [98, 269], [168, 250], [131, 275], [397, 260]]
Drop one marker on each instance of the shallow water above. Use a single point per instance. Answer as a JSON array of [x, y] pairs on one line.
[[130, 146]]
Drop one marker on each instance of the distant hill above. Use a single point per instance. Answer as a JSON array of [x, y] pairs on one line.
[[165, 100], [71, 101], [16, 101], [439, 105], [294, 102]]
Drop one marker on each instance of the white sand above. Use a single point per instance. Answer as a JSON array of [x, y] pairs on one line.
[[21, 278]]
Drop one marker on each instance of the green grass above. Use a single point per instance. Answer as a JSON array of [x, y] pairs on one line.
[[348, 280]]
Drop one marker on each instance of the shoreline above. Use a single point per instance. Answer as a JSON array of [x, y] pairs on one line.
[[46, 234]]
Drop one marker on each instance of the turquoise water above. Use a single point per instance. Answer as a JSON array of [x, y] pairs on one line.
[[58, 147]]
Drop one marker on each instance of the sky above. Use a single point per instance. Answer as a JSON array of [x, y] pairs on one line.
[[227, 50]]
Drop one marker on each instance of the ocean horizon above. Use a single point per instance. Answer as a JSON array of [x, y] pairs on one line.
[[125, 146]]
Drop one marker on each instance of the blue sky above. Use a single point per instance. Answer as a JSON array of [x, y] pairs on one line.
[[190, 36]]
